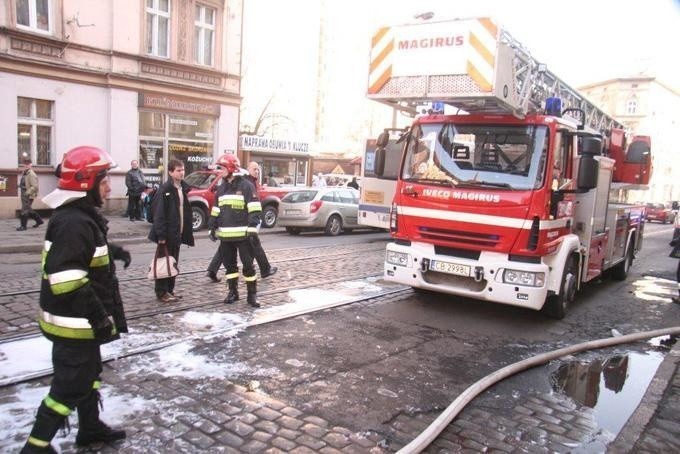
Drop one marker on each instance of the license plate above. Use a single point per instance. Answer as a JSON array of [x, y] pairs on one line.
[[449, 268]]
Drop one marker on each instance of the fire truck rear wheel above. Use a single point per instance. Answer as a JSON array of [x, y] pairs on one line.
[[556, 306], [620, 271]]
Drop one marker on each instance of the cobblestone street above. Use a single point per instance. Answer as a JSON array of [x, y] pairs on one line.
[[217, 388]]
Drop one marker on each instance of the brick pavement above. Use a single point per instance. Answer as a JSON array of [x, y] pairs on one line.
[[218, 415]]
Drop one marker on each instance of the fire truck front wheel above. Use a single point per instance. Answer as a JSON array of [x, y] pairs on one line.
[[556, 306]]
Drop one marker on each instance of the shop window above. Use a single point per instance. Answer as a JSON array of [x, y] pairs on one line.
[[151, 124], [34, 15], [158, 27], [173, 136], [204, 35], [35, 125]]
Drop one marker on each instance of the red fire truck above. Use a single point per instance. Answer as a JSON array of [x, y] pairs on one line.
[[518, 197]]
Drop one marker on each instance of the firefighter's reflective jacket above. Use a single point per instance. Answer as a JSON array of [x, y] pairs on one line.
[[237, 210], [79, 285]]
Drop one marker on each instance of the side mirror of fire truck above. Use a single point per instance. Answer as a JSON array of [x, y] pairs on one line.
[[588, 167], [379, 161]]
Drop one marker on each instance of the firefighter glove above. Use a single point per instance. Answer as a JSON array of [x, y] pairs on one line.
[[212, 236], [123, 256], [103, 329]]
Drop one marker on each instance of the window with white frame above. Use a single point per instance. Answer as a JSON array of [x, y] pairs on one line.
[[158, 27], [204, 35], [631, 106], [34, 15], [35, 124]]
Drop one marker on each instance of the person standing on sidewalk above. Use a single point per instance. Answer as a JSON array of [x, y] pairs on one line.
[[136, 184], [234, 218], [171, 223], [28, 186], [258, 253], [80, 302]]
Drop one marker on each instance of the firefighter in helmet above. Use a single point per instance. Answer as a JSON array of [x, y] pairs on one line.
[[234, 217], [80, 301]]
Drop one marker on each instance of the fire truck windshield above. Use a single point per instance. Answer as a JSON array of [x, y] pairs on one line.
[[505, 157]]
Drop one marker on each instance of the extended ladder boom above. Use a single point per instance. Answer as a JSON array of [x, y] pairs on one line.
[[471, 64]]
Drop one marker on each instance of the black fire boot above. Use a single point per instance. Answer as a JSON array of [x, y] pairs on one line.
[[47, 423], [90, 428], [252, 294], [38, 220], [232, 296], [23, 219]]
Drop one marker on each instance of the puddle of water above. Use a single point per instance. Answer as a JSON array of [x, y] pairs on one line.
[[613, 387]]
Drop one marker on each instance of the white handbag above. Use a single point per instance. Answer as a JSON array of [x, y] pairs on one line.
[[162, 266]]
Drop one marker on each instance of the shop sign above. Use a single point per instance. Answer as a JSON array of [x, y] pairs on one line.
[[152, 179], [258, 143], [153, 101]]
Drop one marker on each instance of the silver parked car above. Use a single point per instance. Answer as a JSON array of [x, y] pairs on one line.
[[332, 209]]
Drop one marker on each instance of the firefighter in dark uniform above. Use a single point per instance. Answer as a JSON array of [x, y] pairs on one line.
[[234, 217], [80, 301]]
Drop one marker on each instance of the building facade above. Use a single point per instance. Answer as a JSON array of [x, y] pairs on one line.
[[647, 106], [146, 80]]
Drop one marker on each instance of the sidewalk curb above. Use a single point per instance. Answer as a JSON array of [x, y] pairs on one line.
[[637, 423]]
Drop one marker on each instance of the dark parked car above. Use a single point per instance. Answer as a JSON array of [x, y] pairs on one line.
[[659, 212]]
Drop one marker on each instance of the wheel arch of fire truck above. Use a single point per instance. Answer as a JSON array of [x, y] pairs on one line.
[[519, 197]]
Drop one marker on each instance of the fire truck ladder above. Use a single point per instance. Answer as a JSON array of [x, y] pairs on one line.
[[531, 81], [535, 84]]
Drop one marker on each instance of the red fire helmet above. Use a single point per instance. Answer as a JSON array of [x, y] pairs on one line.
[[81, 166], [229, 162]]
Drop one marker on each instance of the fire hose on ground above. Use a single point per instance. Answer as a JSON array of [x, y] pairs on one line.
[[423, 440]]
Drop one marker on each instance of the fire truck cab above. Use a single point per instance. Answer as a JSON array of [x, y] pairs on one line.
[[519, 200]]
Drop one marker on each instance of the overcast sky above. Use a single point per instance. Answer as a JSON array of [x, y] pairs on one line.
[[581, 41]]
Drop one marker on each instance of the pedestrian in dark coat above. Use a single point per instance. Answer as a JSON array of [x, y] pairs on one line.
[[80, 301], [172, 221], [136, 184]]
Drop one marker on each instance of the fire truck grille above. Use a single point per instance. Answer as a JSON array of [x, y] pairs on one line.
[[460, 237], [466, 283]]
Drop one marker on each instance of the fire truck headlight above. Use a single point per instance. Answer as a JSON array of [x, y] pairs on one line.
[[525, 278], [396, 258]]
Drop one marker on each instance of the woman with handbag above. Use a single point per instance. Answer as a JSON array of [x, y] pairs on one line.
[[171, 228]]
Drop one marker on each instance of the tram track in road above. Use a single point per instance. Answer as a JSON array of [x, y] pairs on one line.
[[205, 260], [273, 317], [140, 303]]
